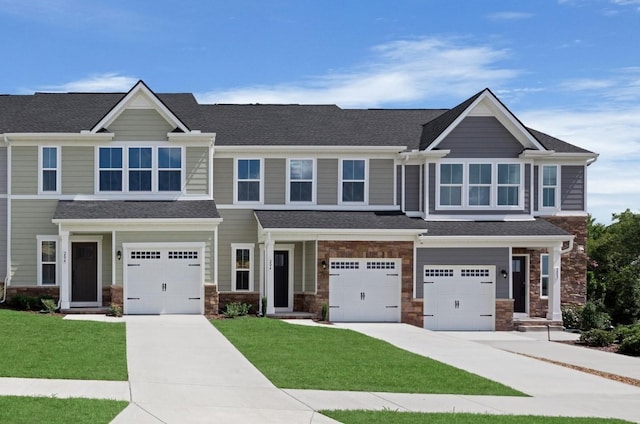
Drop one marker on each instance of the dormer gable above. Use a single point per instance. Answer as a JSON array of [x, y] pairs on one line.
[[141, 97]]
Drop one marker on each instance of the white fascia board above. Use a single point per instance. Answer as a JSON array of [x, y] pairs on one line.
[[298, 234], [193, 138], [154, 225], [420, 156], [305, 149], [59, 138], [492, 241], [471, 217]]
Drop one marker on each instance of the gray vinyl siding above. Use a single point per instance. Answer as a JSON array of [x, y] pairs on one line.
[[399, 193], [297, 267], [24, 169], [3, 238], [327, 182], [572, 188], [29, 218], [169, 237], [536, 182], [238, 226], [223, 181], [412, 188], [275, 180], [481, 137], [3, 170], [140, 125], [527, 188], [464, 256], [381, 182], [432, 189], [197, 178], [77, 170], [310, 266]]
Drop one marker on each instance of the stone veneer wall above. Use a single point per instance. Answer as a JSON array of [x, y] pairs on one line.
[[504, 314], [252, 298], [210, 299], [117, 296], [53, 291], [373, 250]]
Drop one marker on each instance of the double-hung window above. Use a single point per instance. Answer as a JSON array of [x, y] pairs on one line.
[[353, 180], [110, 172], [549, 185], [140, 168], [248, 180], [508, 184], [544, 275], [46, 251], [49, 173], [451, 180], [242, 273], [480, 184], [301, 180], [169, 169]]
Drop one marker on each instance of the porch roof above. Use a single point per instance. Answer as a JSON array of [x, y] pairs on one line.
[[125, 209], [536, 227], [339, 220]]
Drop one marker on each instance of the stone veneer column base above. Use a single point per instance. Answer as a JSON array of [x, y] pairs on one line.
[[504, 315], [117, 296], [211, 299], [35, 291]]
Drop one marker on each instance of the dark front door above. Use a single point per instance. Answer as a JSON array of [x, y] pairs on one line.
[[281, 278], [84, 272], [519, 283]]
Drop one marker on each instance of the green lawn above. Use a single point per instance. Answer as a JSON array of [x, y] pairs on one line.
[[385, 417], [46, 346], [301, 357], [28, 410]]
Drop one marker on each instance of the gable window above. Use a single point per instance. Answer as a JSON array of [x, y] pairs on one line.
[[480, 184], [49, 174], [46, 251], [353, 180], [110, 160], [301, 180], [544, 275], [140, 168], [451, 177], [549, 185], [248, 181], [508, 184], [169, 169], [242, 273]]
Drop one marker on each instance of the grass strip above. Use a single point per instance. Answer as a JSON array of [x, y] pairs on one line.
[[28, 410]]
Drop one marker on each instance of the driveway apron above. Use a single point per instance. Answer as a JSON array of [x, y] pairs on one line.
[[182, 370]]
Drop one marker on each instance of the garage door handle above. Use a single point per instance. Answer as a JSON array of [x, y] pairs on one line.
[[394, 306], [362, 295], [133, 264], [133, 298], [333, 306], [486, 282], [486, 315], [194, 264], [429, 282], [194, 298], [333, 275], [427, 315], [392, 275], [456, 304]]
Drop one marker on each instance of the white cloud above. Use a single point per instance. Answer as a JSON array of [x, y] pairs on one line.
[[401, 72], [509, 16], [109, 82]]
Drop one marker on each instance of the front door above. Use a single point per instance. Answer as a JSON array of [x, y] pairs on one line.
[[281, 278], [84, 273], [519, 283]]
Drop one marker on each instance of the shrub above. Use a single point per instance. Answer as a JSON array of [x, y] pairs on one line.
[[24, 302], [49, 305], [236, 309], [114, 310], [624, 331], [263, 306], [325, 308], [593, 316], [572, 316], [631, 344], [597, 337]]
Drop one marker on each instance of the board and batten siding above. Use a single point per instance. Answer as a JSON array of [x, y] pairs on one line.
[[310, 266], [77, 169], [24, 170], [464, 256], [328, 181], [275, 180], [412, 188], [481, 137], [3, 168], [381, 181], [29, 218], [238, 226], [572, 188], [223, 181], [197, 178], [140, 125]]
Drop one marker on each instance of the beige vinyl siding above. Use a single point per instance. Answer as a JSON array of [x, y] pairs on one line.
[[106, 259], [275, 180], [77, 169], [140, 125], [238, 226], [29, 218], [24, 169], [197, 177], [327, 182], [223, 181], [310, 266], [3, 167], [169, 237], [381, 182]]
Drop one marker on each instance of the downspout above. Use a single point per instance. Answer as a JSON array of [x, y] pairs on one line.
[[7, 278], [568, 249]]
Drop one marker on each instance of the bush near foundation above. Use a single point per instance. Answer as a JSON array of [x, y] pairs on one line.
[[598, 337]]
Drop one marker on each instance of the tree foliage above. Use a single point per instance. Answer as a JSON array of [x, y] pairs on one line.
[[614, 266]]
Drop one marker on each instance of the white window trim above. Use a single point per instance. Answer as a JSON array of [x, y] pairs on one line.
[[545, 275], [155, 169], [245, 246], [469, 185], [39, 240], [366, 182], [547, 209], [313, 182], [236, 181], [494, 186], [58, 170]]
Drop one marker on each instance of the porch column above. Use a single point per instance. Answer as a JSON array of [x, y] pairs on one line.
[[553, 308], [269, 246], [65, 261]]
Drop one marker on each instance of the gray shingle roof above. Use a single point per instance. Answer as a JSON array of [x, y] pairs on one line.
[[338, 220], [122, 209], [537, 227]]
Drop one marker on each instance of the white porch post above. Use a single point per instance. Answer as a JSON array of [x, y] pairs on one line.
[[553, 308], [65, 261], [269, 247], [113, 257]]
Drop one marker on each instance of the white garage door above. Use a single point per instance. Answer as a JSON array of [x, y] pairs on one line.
[[459, 297], [163, 280], [364, 290]]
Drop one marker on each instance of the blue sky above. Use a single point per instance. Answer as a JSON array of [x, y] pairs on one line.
[[570, 68]]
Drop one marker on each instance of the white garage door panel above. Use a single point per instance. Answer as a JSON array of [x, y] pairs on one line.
[[165, 280], [364, 290], [459, 297]]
